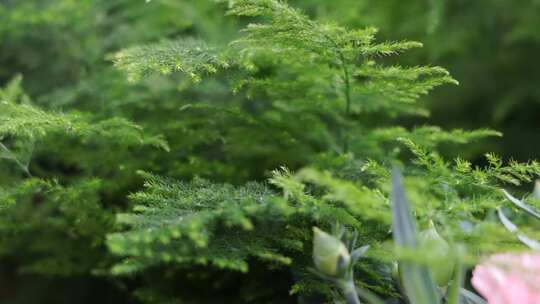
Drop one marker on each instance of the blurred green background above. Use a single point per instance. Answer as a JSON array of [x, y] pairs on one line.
[[61, 48]]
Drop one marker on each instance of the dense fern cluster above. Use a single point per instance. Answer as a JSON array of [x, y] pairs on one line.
[[295, 68], [53, 229], [191, 165], [348, 84], [48, 226], [228, 227], [25, 129], [176, 222]]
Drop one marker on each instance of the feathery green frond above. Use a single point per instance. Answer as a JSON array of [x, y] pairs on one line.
[[190, 56], [197, 223]]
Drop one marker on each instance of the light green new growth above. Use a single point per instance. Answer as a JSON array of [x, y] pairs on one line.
[[30, 122], [462, 174]]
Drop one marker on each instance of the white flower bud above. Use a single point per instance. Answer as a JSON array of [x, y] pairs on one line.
[[330, 255]]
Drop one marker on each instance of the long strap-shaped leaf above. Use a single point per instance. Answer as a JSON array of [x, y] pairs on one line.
[[529, 209], [470, 297], [514, 229], [454, 295], [416, 279]]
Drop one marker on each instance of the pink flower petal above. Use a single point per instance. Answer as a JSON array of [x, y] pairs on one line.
[[509, 279]]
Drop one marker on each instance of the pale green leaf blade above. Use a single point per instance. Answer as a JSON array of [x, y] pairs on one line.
[[416, 279]]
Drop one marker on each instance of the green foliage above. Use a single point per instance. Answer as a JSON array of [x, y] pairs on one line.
[[24, 126], [420, 281], [199, 223], [462, 174], [228, 227], [54, 219], [28, 122], [52, 229], [171, 87], [297, 68], [188, 56], [498, 89], [205, 223]]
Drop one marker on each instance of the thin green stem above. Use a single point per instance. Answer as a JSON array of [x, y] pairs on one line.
[[18, 162], [349, 292], [346, 79], [347, 88]]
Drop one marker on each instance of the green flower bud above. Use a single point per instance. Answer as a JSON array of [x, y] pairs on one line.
[[441, 262], [330, 256]]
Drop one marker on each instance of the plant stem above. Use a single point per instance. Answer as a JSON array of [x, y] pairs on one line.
[[346, 79], [14, 158], [347, 88], [349, 291]]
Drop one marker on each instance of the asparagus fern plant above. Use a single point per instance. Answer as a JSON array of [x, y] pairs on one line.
[[295, 72], [193, 120]]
